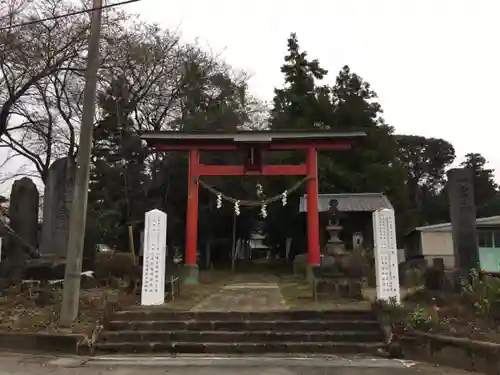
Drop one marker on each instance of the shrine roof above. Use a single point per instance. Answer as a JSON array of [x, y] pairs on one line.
[[350, 202], [246, 136]]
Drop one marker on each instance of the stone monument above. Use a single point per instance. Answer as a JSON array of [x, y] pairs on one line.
[[154, 262], [463, 219], [23, 213], [22, 232], [386, 255], [57, 201]]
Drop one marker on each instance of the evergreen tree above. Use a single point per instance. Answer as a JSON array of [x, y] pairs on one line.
[[118, 182], [425, 161], [486, 192], [298, 105], [351, 104], [302, 104]]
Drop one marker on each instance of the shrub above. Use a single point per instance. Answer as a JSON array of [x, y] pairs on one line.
[[482, 291], [433, 278], [414, 277], [408, 316], [393, 313], [116, 265], [423, 319]]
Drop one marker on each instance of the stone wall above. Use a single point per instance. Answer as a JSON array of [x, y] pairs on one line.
[[461, 353]]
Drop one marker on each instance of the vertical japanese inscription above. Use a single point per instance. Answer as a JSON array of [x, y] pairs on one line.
[[155, 240], [463, 218], [386, 266]]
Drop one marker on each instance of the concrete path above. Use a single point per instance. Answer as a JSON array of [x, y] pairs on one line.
[[244, 297], [131, 365]]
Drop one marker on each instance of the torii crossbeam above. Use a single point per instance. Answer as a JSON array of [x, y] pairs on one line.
[[254, 144]]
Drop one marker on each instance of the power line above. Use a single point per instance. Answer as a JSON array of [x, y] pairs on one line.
[[67, 15]]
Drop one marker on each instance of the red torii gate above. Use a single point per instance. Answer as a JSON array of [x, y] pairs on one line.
[[254, 143]]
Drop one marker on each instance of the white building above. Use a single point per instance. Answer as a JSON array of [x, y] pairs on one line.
[[436, 241]]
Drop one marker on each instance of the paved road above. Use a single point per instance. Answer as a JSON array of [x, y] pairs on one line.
[[13, 364]]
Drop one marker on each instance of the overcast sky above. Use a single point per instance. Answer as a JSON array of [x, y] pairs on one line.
[[435, 64]]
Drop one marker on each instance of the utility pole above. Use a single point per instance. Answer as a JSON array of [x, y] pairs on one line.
[[78, 215]]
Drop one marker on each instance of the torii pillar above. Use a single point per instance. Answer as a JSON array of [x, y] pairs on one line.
[[313, 245], [191, 257]]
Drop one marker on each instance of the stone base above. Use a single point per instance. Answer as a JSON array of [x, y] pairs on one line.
[[332, 288], [311, 272], [300, 265], [191, 274]]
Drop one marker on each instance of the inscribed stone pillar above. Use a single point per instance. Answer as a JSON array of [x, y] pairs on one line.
[[58, 196], [386, 256], [23, 213], [153, 268], [463, 218]]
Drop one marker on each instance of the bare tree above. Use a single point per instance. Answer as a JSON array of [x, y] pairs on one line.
[[42, 85], [41, 78], [33, 52], [150, 59]]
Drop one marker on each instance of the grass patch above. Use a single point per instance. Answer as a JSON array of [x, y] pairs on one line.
[[19, 310], [298, 295]]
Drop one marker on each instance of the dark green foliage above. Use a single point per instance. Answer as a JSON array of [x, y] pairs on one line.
[[118, 185], [485, 188], [302, 104], [299, 105], [425, 161]]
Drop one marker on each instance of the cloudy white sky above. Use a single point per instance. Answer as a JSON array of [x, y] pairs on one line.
[[435, 64]]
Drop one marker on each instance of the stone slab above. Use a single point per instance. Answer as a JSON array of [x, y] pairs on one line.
[[263, 297], [68, 361], [17, 364]]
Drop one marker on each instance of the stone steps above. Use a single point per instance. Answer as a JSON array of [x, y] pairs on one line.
[[140, 314], [241, 336], [240, 348], [156, 330], [244, 325]]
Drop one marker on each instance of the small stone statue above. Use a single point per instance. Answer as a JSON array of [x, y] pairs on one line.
[[334, 213]]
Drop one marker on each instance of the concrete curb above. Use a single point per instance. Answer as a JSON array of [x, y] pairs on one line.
[[246, 361], [49, 342]]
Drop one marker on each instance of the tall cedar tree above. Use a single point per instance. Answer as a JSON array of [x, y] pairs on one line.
[[486, 192], [118, 183], [350, 104], [298, 106]]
